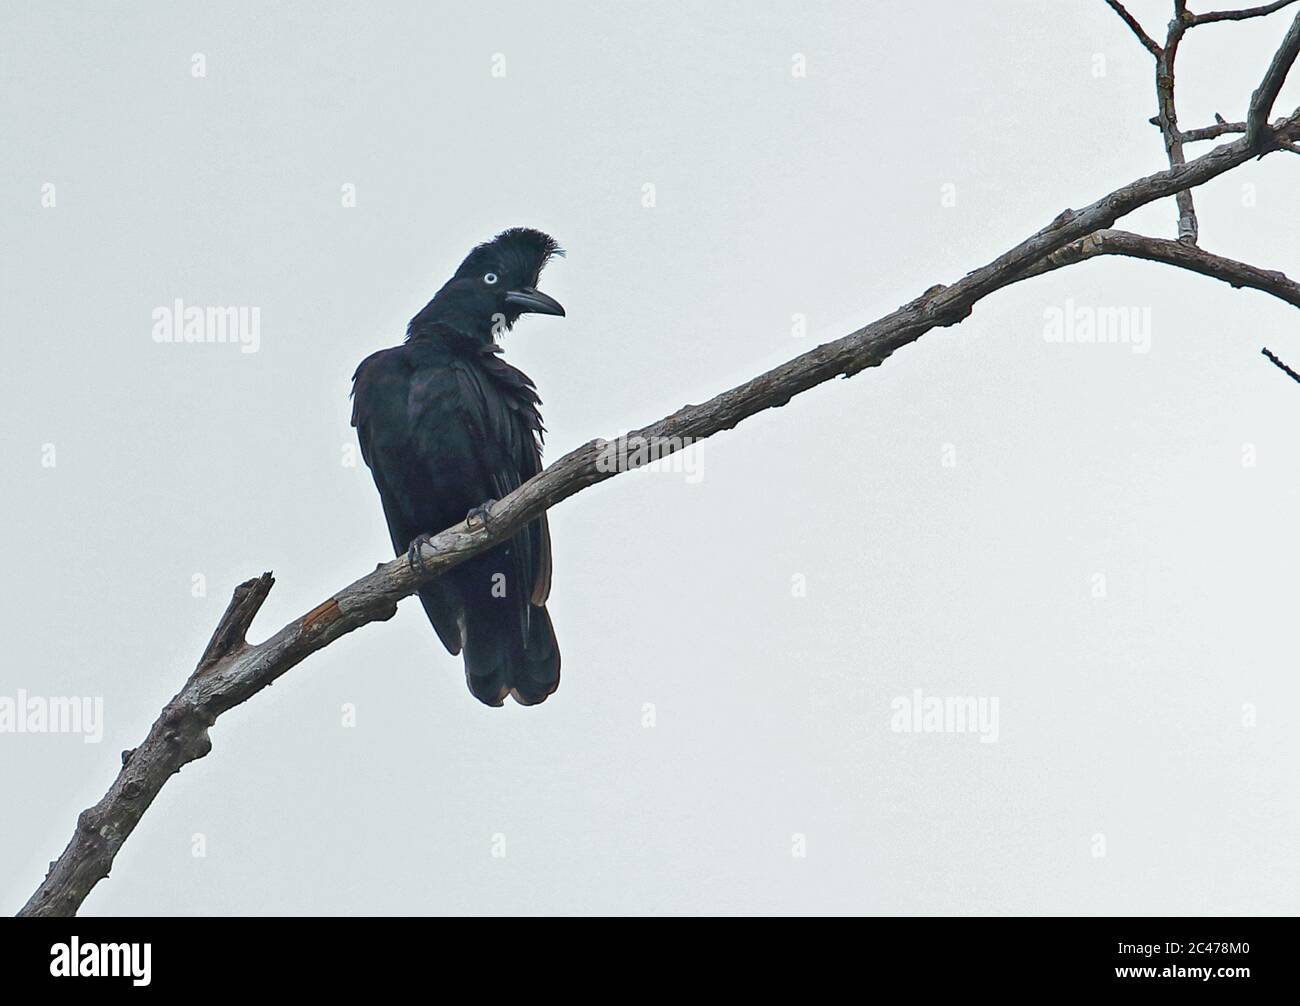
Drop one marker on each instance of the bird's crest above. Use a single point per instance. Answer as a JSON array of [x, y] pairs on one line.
[[518, 253]]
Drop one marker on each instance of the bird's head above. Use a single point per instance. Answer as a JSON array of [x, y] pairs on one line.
[[495, 284]]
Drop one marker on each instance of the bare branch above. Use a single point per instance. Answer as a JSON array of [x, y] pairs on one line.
[[1135, 27], [1285, 369], [1240, 15], [1261, 102], [1167, 118], [1175, 253], [243, 608], [230, 672], [1221, 127]]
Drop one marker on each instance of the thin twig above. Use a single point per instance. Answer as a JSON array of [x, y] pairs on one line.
[[1240, 15], [1261, 102], [1285, 369], [1175, 253], [1188, 227], [1135, 27], [1220, 128]]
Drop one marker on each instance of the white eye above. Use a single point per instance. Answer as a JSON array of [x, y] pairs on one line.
[[490, 279]]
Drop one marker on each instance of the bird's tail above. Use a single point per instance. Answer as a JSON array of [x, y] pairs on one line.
[[500, 662]]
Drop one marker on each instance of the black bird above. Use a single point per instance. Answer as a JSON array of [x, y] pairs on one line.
[[447, 427]]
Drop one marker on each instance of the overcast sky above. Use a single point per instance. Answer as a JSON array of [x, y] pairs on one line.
[[1095, 542]]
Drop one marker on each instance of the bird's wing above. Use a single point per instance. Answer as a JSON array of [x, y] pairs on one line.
[[380, 412], [503, 402]]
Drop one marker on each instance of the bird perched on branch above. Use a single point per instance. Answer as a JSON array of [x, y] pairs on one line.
[[447, 428]]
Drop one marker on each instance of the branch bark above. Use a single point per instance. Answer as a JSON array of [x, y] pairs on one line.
[[1221, 127], [1241, 15], [1175, 253], [1147, 41], [232, 670], [1261, 102], [1279, 364], [1188, 227]]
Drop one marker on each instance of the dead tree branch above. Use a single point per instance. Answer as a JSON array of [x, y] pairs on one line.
[[1135, 27], [232, 670], [1166, 118], [1175, 253], [1241, 15], [1221, 127], [1282, 366], [1261, 102]]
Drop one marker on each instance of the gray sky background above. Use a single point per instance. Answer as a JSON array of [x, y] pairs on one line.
[[1127, 716]]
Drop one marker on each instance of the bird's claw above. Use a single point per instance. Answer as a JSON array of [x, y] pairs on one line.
[[413, 557], [477, 519]]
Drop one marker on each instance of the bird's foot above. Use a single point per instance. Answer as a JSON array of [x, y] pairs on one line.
[[413, 557], [477, 519]]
